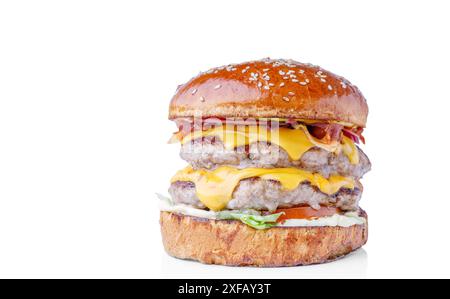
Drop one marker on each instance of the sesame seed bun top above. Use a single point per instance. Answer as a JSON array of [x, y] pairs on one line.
[[270, 89]]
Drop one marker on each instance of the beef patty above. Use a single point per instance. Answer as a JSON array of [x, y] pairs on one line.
[[209, 152], [260, 194]]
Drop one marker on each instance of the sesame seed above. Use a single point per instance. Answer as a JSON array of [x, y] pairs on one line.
[[266, 70], [303, 83], [281, 84], [217, 86], [319, 74], [294, 80], [266, 87], [259, 84], [286, 99], [291, 93], [323, 80], [194, 91], [253, 76], [231, 69], [329, 87], [202, 99], [281, 73]]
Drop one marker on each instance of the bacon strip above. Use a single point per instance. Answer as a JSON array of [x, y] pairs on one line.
[[354, 134], [326, 133]]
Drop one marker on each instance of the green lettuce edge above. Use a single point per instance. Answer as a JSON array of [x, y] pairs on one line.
[[255, 221]]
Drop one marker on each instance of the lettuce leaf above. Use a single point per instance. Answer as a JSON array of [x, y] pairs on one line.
[[255, 221], [164, 198]]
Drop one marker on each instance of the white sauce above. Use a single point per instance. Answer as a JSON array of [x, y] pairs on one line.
[[345, 220], [186, 210]]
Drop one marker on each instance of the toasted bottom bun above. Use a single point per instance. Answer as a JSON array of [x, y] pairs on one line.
[[232, 243]]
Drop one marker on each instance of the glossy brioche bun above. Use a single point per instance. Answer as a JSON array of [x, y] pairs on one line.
[[270, 89], [232, 243]]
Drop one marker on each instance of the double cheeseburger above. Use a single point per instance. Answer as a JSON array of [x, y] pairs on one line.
[[274, 170]]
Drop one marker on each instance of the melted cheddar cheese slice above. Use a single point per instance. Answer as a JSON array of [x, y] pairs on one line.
[[215, 188], [295, 142]]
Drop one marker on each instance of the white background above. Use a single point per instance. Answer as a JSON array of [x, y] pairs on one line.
[[84, 94]]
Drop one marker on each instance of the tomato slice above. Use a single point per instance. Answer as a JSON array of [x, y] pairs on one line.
[[306, 213]]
